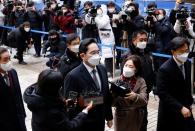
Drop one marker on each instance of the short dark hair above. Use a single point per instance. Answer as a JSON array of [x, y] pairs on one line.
[[26, 23], [30, 4], [83, 48], [89, 3], [152, 5], [49, 83], [178, 42], [136, 33], [2, 50], [164, 11], [137, 63], [71, 37], [111, 4], [53, 32]]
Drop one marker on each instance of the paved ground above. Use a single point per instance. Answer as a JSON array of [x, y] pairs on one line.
[[28, 75]]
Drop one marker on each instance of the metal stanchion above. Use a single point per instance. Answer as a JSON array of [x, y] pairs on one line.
[[113, 61], [192, 75]]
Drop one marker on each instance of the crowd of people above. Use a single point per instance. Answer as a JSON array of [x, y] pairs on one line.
[[75, 93]]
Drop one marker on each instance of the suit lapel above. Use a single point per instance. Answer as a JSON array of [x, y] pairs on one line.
[[2, 81], [87, 77], [176, 69], [102, 79]]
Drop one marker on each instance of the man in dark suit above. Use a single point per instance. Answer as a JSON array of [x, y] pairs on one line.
[[174, 90], [12, 113], [89, 81]]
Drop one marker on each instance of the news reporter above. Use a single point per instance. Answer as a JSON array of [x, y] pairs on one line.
[[129, 114], [48, 108]]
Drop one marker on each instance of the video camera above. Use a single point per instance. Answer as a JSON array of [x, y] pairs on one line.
[[9, 4], [182, 14], [93, 12], [151, 13], [120, 88]]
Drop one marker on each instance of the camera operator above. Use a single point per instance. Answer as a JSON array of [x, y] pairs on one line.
[[184, 25], [65, 20], [131, 20], [48, 14], [151, 12], [89, 27], [178, 5], [116, 28], [106, 36], [35, 19], [17, 14], [8, 7], [163, 34], [57, 48]]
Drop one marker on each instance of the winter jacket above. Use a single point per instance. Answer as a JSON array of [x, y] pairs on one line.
[[65, 22], [49, 114], [105, 32]]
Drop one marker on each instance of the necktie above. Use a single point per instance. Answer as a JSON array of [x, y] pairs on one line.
[[182, 70], [95, 79], [6, 78]]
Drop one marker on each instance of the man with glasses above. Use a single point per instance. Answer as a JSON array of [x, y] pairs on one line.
[[12, 113], [89, 81], [174, 90]]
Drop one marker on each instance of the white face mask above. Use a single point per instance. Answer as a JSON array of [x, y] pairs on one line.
[[75, 48], [53, 6], [128, 72], [6, 67], [183, 57], [94, 60], [99, 12], [111, 10], [141, 45], [64, 11], [27, 29], [160, 17]]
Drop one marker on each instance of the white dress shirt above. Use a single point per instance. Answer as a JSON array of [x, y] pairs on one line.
[[89, 69]]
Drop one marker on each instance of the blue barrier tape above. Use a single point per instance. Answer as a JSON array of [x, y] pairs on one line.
[[161, 55], [111, 46], [34, 31]]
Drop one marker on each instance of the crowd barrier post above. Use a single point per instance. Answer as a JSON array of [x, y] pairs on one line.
[[113, 61], [192, 75]]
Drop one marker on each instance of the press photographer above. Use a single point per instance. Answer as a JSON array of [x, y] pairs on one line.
[[130, 19], [17, 14], [113, 13], [89, 28], [184, 25], [65, 20], [151, 12]]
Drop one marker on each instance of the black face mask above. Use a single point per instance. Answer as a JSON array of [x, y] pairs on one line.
[[133, 14], [53, 40]]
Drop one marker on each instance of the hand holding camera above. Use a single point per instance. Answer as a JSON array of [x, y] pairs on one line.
[[131, 96], [120, 88]]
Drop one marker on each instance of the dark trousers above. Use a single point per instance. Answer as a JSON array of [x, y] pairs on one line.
[[145, 119], [37, 43], [109, 65], [19, 54]]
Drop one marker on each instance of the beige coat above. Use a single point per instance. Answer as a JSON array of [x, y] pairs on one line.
[[128, 114]]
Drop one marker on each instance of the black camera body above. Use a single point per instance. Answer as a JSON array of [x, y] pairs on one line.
[[182, 14], [152, 12], [9, 4], [93, 12], [120, 88]]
